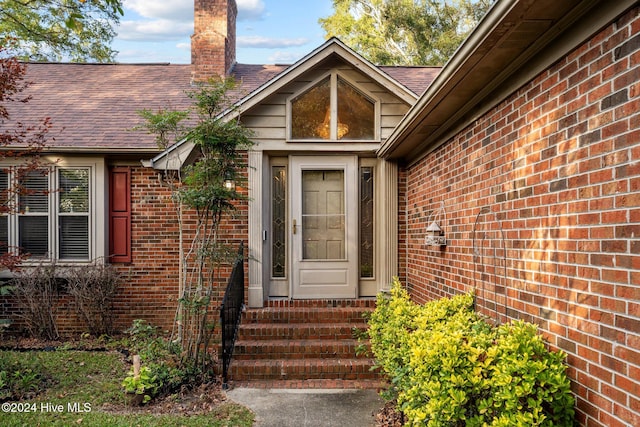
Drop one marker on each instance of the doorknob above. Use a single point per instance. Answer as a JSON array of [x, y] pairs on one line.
[[295, 226]]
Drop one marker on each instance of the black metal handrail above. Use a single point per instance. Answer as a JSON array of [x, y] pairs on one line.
[[231, 311]]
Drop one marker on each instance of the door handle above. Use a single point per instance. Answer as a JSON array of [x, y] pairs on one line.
[[295, 227]]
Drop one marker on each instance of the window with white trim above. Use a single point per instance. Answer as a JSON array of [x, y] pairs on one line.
[[47, 214], [333, 109]]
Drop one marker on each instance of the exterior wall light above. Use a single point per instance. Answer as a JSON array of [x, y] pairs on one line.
[[229, 182], [434, 233]]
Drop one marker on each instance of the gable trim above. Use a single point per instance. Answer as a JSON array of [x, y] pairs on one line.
[[332, 46], [180, 153]]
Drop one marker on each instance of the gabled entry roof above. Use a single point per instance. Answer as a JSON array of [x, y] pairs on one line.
[[406, 83], [331, 47]]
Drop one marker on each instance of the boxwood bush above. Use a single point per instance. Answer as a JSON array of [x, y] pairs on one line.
[[448, 366]]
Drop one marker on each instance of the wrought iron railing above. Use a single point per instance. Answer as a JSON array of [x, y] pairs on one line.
[[231, 311]]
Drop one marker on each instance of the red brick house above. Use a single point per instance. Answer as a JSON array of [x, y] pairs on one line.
[[317, 126], [129, 220], [524, 149]]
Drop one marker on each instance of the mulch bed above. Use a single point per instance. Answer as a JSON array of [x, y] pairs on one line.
[[12, 343], [390, 417], [197, 401]]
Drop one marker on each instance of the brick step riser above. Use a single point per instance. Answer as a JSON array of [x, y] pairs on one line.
[[299, 319], [296, 350], [322, 304], [304, 316], [296, 332], [369, 384], [277, 370]]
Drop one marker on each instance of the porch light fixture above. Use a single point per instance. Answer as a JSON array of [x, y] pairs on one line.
[[434, 233], [229, 182]]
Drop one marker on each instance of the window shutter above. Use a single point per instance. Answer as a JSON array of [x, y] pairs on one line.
[[120, 214]]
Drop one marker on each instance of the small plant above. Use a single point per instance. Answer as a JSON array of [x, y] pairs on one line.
[[5, 389], [144, 384], [21, 379], [162, 358]]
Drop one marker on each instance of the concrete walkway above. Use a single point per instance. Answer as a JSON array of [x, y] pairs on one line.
[[310, 407]]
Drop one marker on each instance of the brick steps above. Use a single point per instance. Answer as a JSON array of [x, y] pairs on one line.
[[296, 331], [303, 344], [302, 369], [296, 349], [272, 315]]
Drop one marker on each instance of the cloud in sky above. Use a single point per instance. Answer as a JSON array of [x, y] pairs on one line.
[[269, 43], [160, 31], [168, 20], [155, 30], [250, 10], [174, 10], [284, 57]]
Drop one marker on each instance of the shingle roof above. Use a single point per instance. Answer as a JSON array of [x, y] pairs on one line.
[[416, 79], [93, 107]]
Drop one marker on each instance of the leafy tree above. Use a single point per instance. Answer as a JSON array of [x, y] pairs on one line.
[[20, 142], [404, 32], [53, 30], [201, 193]]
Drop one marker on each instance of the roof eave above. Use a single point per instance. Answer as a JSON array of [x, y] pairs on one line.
[[49, 149], [450, 102]]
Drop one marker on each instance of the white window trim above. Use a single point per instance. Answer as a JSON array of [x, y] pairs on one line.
[[334, 75], [97, 208]]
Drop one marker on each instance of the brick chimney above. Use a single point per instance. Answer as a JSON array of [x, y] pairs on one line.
[[213, 43]]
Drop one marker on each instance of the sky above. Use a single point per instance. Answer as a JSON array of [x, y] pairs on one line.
[[268, 31]]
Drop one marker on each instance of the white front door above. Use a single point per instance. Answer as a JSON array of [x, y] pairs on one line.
[[324, 229]]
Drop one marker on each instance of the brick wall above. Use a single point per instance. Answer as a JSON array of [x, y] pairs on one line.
[[151, 289], [547, 185]]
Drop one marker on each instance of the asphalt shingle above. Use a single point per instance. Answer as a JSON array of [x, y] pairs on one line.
[[94, 107]]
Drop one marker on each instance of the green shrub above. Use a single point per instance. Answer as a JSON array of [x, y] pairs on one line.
[[162, 359], [389, 327], [450, 367], [529, 383]]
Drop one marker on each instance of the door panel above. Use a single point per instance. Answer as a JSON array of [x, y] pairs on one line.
[[324, 235], [323, 222]]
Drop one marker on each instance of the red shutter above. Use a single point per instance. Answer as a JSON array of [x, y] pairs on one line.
[[120, 214]]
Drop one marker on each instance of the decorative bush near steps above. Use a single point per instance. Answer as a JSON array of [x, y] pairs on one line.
[[449, 367]]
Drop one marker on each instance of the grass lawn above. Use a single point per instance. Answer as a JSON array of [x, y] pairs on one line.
[[63, 388]]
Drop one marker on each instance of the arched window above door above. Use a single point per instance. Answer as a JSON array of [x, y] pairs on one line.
[[333, 109]]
